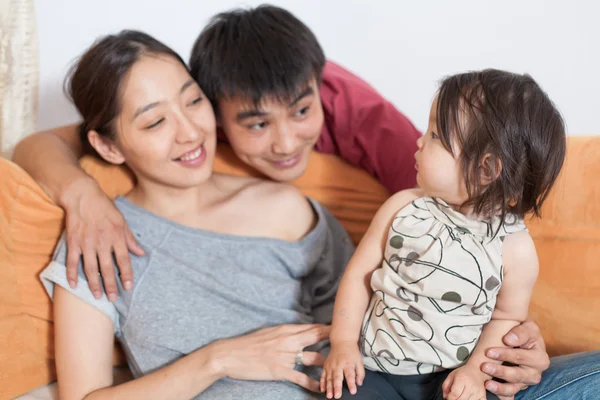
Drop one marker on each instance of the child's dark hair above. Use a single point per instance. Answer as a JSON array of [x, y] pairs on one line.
[[94, 82], [511, 139], [264, 52]]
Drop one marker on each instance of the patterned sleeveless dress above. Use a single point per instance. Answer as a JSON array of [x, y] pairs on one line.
[[435, 289]]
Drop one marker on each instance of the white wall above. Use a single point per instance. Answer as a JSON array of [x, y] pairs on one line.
[[402, 47]]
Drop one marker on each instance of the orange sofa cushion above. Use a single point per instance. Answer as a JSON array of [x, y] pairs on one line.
[[568, 242], [566, 298]]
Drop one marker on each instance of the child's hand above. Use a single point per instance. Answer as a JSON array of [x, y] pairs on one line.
[[465, 383], [344, 360]]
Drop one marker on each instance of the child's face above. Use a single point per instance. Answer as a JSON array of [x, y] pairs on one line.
[[275, 138], [438, 172]]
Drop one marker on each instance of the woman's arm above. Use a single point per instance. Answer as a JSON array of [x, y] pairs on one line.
[[95, 228], [84, 341]]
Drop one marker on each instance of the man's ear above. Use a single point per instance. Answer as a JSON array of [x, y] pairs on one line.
[[490, 168], [106, 148]]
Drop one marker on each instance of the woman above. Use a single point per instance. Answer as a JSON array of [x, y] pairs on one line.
[[221, 272]]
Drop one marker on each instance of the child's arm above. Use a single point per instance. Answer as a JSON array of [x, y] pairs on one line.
[[353, 296], [521, 266]]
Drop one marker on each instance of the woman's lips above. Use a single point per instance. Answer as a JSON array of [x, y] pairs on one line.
[[192, 158]]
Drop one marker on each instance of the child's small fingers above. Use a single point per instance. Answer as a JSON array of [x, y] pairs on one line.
[[350, 375], [447, 385], [338, 381], [329, 384], [322, 381], [360, 374], [455, 392]]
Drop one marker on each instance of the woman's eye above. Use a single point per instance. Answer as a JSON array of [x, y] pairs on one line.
[[154, 125], [434, 135], [196, 101]]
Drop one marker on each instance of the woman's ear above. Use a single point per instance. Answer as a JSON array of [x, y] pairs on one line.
[[490, 168], [106, 148]]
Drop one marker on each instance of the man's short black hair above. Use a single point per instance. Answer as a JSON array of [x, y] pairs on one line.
[[256, 54]]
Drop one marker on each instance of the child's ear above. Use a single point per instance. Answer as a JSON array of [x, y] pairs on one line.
[[106, 148], [490, 168]]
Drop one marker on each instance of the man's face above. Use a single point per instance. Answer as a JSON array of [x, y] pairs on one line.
[[275, 138]]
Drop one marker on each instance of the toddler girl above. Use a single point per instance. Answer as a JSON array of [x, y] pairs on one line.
[[449, 268]]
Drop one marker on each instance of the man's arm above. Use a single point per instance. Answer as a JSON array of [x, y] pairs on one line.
[[95, 228], [52, 159]]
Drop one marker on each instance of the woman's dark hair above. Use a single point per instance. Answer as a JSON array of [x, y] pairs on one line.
[[256, 53], [94, 82], [510, 136]]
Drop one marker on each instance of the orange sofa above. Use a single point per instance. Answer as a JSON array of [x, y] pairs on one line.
[[565, 302]]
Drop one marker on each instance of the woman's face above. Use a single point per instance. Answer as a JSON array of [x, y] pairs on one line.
[[166, 132]]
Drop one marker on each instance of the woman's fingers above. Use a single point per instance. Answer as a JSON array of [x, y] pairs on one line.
[[291, 375], [314, 335], [313, 359]]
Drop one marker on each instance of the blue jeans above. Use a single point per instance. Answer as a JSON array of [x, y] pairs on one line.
[[574, 376], [570, 377]]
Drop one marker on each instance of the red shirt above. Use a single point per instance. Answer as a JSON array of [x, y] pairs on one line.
[[366, 130]]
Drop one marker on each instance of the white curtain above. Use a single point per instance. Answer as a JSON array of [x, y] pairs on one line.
[[18, 72]]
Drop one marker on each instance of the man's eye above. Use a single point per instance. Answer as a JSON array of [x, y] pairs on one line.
[[303, 111], [258, 126]]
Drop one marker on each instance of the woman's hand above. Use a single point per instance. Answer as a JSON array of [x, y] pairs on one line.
[[97, 230], [529, 358], [271, 354]]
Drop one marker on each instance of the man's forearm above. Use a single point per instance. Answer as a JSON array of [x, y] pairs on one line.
[[52, 162]]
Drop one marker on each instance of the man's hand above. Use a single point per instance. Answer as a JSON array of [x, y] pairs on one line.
[[96, 230], [529, 358]]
